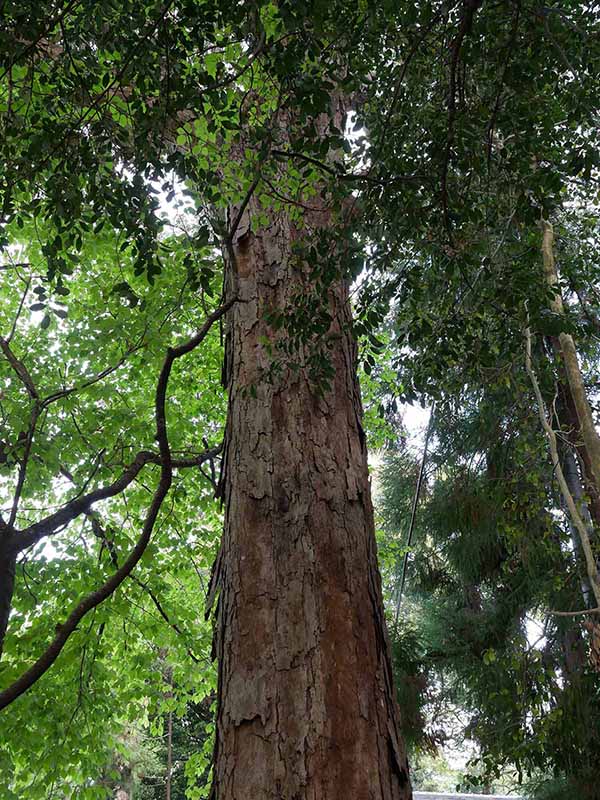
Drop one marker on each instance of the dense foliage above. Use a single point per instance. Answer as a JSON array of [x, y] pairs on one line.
[[128, 131], [489, 665]]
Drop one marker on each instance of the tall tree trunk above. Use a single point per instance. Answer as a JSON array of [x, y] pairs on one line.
[[306, 703]]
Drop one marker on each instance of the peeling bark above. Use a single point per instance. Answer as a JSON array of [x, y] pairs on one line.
[[306, 703]]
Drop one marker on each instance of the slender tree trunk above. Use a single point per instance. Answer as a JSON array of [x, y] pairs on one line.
[[573, 480], [8, 562], [169, 755], [306, 703], [578, 405], [567, 414], [589, 434], [574, 648], [582, 431]]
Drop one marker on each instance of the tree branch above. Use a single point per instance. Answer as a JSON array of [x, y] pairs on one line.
[[575, 613], [102, 535], [240, 213], [469, 9], [49, 656], [19, 368], [95, 598], [32, 535], [58, 395]]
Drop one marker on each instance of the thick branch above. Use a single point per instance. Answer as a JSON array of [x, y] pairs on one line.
[[19, 368], [92, 600], [575, 613], [49, 656], [31, 535], [95, 598], [8, 563], [80, 505], [33, 420], [240, 212], [348, 176]]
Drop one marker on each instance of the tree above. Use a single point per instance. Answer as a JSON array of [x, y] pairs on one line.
[[244, 110], [493, 549], [303, 655]]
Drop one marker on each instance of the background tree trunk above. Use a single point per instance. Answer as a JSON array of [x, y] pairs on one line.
[[306, 703], [169, 755], [570, 360], [573, 480], [567, 414]]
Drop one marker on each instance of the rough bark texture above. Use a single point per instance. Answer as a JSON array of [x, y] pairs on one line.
[[306, 706]]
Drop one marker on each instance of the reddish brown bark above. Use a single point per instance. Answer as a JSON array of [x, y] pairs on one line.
[[306, 705]]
